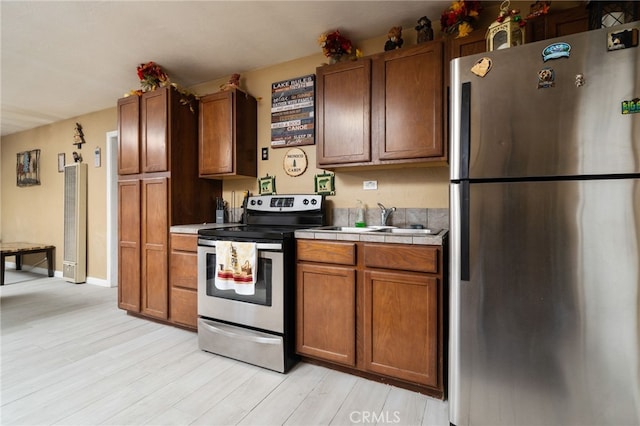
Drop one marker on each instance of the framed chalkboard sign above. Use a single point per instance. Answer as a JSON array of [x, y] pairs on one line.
[[293, 112]]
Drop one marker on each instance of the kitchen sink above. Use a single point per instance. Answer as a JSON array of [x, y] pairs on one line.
[[379, 229], [429, 231], [345, 229]]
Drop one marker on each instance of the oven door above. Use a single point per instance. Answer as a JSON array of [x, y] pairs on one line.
[[263, 310]]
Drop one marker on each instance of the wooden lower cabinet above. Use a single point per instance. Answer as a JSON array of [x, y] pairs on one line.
[[374, 309], [326, 313], [129, 245], [142, 251], [155, 238], [401, 326], [183, 280]]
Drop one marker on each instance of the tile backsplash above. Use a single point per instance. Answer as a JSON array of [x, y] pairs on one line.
[[429, 218]]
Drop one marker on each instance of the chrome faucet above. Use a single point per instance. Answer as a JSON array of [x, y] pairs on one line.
[[385, 213]]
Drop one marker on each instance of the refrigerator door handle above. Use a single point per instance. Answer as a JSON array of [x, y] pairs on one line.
[[464, 231], [465, 129]]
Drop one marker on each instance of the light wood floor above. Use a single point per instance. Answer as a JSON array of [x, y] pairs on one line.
[[71, 357]]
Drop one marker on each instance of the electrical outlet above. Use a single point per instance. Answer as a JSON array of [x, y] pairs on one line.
[[265, 153], [370, 184]]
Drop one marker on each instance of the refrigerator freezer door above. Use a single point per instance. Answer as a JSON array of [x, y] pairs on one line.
[[519, 129], [546, 329]]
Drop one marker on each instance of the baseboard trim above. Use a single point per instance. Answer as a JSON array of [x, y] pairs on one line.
[[58, 274]]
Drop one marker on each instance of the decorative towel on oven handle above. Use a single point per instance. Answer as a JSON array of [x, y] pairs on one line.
[[236, 266]]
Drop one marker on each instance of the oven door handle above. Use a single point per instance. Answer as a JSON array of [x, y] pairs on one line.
[[259, 246]]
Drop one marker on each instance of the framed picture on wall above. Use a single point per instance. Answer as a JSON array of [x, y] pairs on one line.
[[61, 162], [267, 185], [28, 168]]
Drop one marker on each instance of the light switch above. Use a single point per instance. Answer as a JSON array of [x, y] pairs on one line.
[[96, 157]]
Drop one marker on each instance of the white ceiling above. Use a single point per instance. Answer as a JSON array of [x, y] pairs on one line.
[[61, 59]]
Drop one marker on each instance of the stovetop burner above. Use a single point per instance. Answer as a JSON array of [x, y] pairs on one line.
[[273, 217], [249, 232]]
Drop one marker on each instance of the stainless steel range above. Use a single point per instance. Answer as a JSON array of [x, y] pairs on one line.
[[246, 281]]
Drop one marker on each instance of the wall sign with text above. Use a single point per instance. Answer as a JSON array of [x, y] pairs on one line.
[[293, 112]]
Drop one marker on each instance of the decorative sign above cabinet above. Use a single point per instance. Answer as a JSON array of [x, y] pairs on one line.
[[292, 112]]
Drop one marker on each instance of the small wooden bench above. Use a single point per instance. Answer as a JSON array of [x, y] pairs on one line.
[[20, 249]]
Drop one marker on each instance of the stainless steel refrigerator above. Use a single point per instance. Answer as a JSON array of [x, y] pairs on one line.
[[545, 233]]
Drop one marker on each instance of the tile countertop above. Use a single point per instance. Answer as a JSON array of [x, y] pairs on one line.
[[374, 237], [193, 229]]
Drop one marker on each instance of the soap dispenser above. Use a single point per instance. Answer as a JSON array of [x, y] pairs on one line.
[[360, 222]]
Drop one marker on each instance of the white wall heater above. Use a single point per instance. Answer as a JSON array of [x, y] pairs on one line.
[[74, 266]]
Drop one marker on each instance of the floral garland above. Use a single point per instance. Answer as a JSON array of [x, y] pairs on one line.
[[152, 76], [336, 46], [459, 16]]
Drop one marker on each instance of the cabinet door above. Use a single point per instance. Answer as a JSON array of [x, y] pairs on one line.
[[184, 261], [129, 135], [154, 248], [326, 313], [344, 113], [228, 136], [153, 138], [129, 245], [566, 22], [469, 45], [401, 331], [216, 134], [557, 24], [407, 103]]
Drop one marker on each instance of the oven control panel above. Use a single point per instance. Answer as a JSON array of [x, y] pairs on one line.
[[285, 203]]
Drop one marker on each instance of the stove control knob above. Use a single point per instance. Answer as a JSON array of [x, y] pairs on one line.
[[305, 202], [253, 202], [259, 202], [314, 201]]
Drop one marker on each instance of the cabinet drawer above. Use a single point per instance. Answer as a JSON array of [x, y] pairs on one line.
[[184, 242], [184, 307], [327, 252], [406, 258], [183, 270]]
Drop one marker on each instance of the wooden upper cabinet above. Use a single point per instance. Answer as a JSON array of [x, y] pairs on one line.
[[407, 103], [558, 24], [153, 137], [383, 109], [129, 135], [469, 45], [343, 113], [158, 134], [569, 21], [143, 127], [228, 135]]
